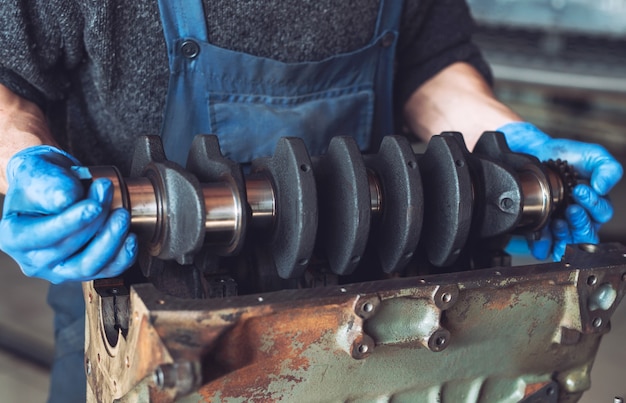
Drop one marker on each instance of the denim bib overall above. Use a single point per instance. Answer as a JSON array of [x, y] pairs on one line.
[[249, 103]]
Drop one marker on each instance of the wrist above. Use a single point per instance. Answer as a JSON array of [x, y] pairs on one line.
[[22, 125], [51, 153], [523, 136]]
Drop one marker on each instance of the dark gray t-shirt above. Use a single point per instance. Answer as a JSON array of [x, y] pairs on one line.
[[99, 68]]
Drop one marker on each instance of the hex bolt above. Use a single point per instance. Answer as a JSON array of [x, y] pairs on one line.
[[445, 297], [359, 350], [597, 322], [162, 376], [362, 347], [366, 308], [592, 280], [184, 376], [439, 340]]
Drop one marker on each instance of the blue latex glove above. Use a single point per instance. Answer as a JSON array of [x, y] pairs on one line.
[[55, 231], [592, 208]]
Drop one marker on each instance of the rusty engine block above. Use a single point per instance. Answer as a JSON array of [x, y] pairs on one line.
[[347, 277]]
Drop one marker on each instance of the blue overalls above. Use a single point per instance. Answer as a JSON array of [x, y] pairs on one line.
[[249, 102]]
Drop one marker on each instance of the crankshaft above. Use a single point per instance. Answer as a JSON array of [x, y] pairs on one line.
[[335, 206]]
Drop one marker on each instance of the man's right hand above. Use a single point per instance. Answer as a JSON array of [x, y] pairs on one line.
[[55, 231]]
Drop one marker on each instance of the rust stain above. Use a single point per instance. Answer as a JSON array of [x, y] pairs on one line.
[[534, 388], [500, 301], [251, 369]]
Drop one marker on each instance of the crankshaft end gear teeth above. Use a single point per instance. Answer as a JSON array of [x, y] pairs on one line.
[[568, 181]]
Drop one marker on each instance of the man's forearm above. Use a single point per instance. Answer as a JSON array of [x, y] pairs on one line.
[[22, 124], [456, 99]]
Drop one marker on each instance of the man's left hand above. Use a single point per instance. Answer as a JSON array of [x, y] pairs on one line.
[[592, 209]]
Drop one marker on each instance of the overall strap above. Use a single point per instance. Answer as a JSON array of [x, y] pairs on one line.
[[184, 28], [389, 13], [182, 19], [387, 32]]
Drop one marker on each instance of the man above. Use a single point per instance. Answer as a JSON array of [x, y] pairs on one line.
[[88, 78]]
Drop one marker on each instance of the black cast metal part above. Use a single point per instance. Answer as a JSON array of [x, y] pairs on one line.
[[398, 233], [208, 164], [492, 145], [345, 208], [338, 210], [291, 173], [180, 220], [448, 199]]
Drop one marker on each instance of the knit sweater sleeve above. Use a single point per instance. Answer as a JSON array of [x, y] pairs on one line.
[[40, 43], [434, 35]]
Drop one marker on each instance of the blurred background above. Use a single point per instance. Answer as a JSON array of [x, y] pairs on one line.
[[559, 63]]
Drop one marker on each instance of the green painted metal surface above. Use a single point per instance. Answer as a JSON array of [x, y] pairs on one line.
[[520, 334]]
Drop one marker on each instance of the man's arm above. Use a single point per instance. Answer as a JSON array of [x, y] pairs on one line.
[[459, 99], [22, 125], [456, 99]]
